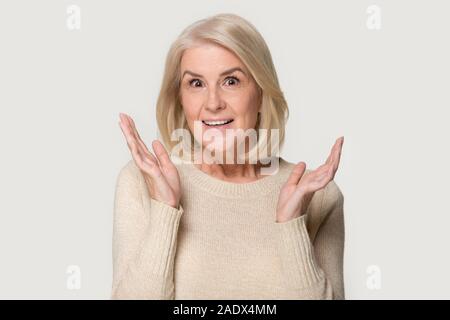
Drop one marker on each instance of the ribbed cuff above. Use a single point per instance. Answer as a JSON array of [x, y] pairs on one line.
[[159, 249], [297, 254]]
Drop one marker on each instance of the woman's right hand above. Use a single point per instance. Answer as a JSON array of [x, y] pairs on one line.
[[160, 174]]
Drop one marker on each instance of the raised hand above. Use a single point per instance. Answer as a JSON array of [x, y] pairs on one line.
[[297, 192], [160, 174]]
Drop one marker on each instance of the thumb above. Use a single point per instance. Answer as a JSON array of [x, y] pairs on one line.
[[297, 173]]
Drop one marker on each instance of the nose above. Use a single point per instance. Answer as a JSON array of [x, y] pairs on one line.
[[214, 101]]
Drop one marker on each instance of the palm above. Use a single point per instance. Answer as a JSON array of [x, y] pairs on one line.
[[171, 185], [297, 192], [160, 174], [292, 200]]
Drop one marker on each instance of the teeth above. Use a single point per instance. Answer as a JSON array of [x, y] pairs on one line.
[[217, 123]]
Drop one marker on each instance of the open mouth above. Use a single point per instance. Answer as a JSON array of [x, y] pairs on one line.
[[217, 123]]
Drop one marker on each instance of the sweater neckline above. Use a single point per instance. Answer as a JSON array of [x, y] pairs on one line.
[[222, 188]]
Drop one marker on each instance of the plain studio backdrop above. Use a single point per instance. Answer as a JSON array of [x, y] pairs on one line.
[[376, 72]]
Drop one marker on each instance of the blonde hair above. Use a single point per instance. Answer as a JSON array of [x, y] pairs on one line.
[[241, 37]]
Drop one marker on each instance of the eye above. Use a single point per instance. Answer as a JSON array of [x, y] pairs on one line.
[[234, 81], [195, 82]]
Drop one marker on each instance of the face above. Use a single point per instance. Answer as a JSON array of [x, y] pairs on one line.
[[217, 93]]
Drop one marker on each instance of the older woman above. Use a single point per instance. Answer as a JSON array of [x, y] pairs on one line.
[[220, 229]]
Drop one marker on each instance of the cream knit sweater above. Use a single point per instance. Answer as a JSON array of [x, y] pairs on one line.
[[223, 241]]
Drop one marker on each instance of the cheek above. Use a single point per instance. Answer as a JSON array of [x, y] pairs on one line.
[[245, 106], [191, 105]]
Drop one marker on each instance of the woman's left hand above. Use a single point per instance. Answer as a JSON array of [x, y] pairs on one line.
[[297, 192]]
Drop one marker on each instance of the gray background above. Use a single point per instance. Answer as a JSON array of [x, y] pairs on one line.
[[386, 91]]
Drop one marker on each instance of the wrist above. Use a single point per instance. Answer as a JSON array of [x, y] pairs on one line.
[[283, 218]]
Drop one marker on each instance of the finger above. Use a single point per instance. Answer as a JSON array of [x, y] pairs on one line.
[[300, 193], [157, 177], [135, 131], [297, 173], [125, 125], [127, 133], [145, 149], [147, 165], [123, 118], [141, 143], [333, 151], [132, 145], [311, 181], [133, 126], [161, 154], [314, 182], [136, 154], [146, 160], [319, 178], [338, 156], [320, 170], [142, 159]]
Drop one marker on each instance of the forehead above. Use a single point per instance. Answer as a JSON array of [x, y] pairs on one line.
[[209, 58]]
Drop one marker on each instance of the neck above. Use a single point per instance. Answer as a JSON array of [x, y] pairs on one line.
[[232, 172], [229, 171]]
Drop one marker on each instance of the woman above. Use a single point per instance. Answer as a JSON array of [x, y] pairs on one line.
[[221, 230]]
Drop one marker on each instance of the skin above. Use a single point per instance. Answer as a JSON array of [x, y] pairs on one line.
[[296, 194], [206, 95], [160, 174], [209, 91]]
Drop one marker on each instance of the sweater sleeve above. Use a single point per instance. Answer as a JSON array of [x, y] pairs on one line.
[[144, 241], [315, 270]]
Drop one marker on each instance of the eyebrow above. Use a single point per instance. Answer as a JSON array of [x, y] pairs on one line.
[[222, 74]]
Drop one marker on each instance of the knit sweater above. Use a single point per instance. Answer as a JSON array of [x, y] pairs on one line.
[[223, 241]]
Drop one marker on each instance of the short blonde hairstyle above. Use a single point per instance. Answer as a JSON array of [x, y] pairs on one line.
[[240, 37]]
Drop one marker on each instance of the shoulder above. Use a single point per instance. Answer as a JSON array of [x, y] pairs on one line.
[[332, 203], [128, 169], [129, 174], [332, 196], [130, 190]]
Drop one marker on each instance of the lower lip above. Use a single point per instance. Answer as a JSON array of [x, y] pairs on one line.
[[221, 127]]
